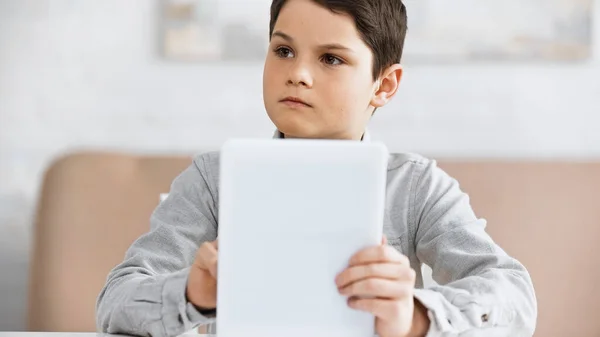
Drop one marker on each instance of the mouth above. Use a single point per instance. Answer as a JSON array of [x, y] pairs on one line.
[[295, 102]]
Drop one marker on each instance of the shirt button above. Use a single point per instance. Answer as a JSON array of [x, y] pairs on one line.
[[484, 318]]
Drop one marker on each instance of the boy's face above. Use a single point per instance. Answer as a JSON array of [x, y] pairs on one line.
[[318, 57]]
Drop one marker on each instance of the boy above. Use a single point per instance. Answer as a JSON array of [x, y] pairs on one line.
[[330, 64]]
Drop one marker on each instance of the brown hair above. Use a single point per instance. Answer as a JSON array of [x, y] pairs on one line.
[[382, 25]]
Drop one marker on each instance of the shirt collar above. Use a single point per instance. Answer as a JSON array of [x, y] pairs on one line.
[[366, 136]]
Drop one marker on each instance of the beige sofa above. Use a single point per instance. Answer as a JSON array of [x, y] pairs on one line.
[[94, 205]]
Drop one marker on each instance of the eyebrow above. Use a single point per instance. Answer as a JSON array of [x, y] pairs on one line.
[[283, 36], [328, 46]]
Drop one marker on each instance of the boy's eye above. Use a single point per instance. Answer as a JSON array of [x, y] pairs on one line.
[[332, 60], [284, 52]]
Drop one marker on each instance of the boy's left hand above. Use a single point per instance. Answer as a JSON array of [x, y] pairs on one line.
[[380, 280]]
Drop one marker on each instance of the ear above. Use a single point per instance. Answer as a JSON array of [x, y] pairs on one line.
[[388, 85]]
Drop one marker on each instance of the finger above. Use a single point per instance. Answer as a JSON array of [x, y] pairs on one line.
[[390, 271], [382, 308], [207, 257], [212, 268], [384, 240], [378, 254], [378, 288]]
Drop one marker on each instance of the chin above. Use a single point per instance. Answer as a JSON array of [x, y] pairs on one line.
[[294, 131], [295, 126]]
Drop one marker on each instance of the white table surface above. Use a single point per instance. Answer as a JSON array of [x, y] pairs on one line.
[[478, 333]]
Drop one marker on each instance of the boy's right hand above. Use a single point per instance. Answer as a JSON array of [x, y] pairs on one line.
[[201, 288]]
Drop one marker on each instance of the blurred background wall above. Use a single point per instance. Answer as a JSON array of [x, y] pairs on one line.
[[89, 74]]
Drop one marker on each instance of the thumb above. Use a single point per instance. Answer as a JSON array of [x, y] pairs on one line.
[[212, 269], [384, 240]]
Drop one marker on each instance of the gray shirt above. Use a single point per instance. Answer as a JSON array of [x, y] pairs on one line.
[[427, 218]]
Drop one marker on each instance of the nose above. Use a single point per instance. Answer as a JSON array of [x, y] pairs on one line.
[[300, 75]]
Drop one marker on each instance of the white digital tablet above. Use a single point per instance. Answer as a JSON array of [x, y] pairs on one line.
[[291, 214]]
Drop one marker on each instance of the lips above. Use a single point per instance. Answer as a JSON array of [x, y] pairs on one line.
[[295, 101]]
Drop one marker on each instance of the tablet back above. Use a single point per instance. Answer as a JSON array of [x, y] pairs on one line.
[[291, 214]]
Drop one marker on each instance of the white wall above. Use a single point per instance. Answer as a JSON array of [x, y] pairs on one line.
[[87, 74]]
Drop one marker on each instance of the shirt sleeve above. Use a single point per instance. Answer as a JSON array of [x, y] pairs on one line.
[[479, 285], [145, 294]]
